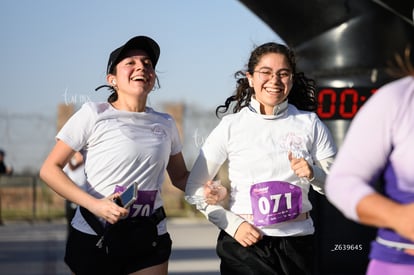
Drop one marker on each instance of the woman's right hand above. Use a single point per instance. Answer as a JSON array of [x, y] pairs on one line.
[[107, 209], [402, 220], [214, 192], [377, 210], [247, 234]]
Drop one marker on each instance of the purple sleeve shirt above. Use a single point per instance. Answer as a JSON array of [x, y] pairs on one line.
[[379, 143]]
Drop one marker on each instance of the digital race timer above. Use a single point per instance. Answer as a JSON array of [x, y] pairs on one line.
[[341, 103]]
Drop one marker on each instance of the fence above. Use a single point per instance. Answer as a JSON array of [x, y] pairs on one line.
[[28, 198], [28, 138]]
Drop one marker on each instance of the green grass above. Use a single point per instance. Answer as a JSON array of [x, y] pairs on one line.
[[16, 215]]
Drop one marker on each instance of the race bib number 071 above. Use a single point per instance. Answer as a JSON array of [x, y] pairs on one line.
[[274, 202]]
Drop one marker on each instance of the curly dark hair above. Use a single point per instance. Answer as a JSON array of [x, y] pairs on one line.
[[302, 94]]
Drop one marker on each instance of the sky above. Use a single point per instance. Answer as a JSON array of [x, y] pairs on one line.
[[55, 51]]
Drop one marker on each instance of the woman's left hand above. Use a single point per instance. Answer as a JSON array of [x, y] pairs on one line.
[[300, 167]]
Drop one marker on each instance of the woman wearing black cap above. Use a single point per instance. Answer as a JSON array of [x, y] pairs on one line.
[[123, 141]]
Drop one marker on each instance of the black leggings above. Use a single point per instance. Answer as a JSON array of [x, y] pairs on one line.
[[271, 255]]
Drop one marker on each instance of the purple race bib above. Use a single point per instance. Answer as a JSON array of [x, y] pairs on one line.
[[144, 204], [275, 202]]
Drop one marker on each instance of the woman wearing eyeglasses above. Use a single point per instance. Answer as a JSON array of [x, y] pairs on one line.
[[276, 148]]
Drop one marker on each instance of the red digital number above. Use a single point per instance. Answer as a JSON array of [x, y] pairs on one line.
[[341, 103], [326, 95], [348, 109]]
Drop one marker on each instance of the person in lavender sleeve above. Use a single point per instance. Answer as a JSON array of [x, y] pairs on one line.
[[379, 147], [276, 148]]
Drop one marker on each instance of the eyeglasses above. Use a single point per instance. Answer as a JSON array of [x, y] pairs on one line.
[[265, 74]]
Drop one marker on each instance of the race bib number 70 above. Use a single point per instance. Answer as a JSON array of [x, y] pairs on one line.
[[144, 205], [275, 202]]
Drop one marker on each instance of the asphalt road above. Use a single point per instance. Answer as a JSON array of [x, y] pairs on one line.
[[38, 248]]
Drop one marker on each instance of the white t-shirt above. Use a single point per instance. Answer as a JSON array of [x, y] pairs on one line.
[[120, 148], [77, 175], [257, 147]]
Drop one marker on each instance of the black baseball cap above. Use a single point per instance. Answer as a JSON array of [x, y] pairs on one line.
[[138, 42]]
